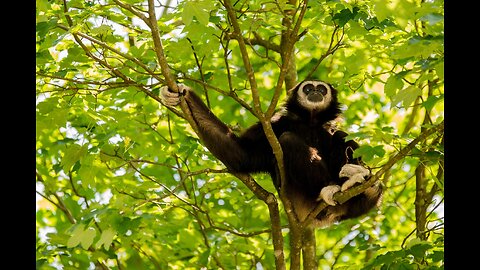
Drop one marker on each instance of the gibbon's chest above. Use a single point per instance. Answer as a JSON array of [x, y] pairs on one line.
[[314, 136], [319, 139]]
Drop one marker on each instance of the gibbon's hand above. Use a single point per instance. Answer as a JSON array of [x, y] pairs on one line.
[[173, 98], [327, 193]]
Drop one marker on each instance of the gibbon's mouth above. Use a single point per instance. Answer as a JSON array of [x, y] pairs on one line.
[[315, 97]]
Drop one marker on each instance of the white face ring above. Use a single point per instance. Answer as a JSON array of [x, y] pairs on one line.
[[309, 105]]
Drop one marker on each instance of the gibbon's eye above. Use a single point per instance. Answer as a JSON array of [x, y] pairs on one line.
[[322, 89], [308, 88]]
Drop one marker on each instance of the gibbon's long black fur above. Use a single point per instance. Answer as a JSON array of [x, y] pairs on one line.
[[318, 162]]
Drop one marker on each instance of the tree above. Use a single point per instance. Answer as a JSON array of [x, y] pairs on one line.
[[123, 182]]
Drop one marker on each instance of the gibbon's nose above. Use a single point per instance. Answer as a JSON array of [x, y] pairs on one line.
[[315, 96]]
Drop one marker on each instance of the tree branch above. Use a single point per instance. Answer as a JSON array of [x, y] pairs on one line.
[[124, 55], [269, 199], [332, 48], [169, 78], [105, 64], [287, 45], [200, 70], [256, 40], [60, 205], [274, 213], [133, 11]]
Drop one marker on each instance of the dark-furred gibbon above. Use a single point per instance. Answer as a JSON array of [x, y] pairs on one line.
[[318, 162]]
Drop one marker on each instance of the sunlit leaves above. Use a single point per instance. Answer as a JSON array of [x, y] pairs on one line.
[[81, 235], [418, 47], [106, 239], [197, 9], [406, 96], [407, 258], [393, 85], [345, 15], [73, 153], [431, 101], [368, 152], [101, 30]]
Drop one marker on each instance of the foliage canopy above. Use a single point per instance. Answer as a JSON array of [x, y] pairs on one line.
[[123, 182]]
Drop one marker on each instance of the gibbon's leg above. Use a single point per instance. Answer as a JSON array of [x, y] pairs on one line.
[[307, 170], [307, 177], [341, 160], [304, 167], [364, 202], [355, 206]]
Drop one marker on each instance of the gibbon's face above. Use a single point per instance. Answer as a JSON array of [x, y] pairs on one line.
[[314, 95]]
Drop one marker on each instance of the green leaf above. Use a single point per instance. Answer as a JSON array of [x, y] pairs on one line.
[[58, 238], [42, 28], [106, 238], [388, 258], [345, 15], [393, 84], [418, 248], [76, 236], [73, 153], [82, 237], [215, 19], [384, 136], [379, 151], [439, 70], [42, 5], [197, 9], [363, 151], [87, 174], [406, 96], [102, 30], [87, 237], [203, 258], [45, 107], [437, 256], [43, 57], [88, 171], [432, 18], [431, 101]]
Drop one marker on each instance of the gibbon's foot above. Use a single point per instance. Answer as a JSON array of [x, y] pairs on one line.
[[355, 174], [327, 193], [173, 98]]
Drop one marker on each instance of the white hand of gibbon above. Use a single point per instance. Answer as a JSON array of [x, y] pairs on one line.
[[355, 173], [171, 98]]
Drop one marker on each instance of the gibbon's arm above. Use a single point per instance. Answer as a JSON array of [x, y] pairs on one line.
[[239, 154], [344, 149]]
